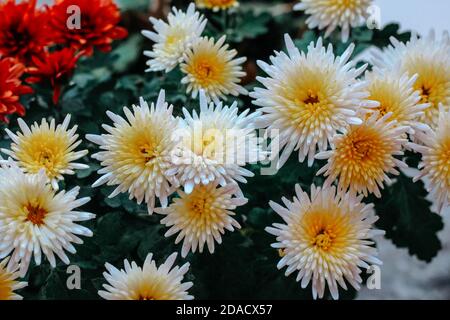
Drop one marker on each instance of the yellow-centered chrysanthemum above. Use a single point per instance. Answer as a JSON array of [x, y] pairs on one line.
[[202, 216], [326, 238], [215, 145], [46, 146], [429, 58], [9, 283], [173, 38], [147, 283], [308, 97], [435, 165], [211, 66], [364, 155], [35, 220], [217, 5], [396, 94], [136, 152], [330, 14]]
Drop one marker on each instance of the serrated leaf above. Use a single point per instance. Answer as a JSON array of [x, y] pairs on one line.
[[406, 217]]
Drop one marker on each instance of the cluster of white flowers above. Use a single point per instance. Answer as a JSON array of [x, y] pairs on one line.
[[312, 102], [323, 107], [151, 154], [208, 65], [315, 103]]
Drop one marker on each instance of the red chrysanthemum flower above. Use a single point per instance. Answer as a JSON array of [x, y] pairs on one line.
[[24, 30], [11, 88], [55, 67], [98, 24]]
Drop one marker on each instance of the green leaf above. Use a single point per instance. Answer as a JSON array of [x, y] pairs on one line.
[[132, 4], [108, 227], [248, 26], [55, 287], [127, 53], [81, 174], [303, 43], [406, 217]]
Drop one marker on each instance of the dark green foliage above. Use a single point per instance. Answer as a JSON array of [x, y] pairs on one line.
[[406, 217]]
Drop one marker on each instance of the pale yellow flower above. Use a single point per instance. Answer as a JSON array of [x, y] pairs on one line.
[[47, 146], [36, 221], [147, 283], [330, 14], [210, 66], [202, 216], [363, 155], [326, 238], [136, 152], [308, 97]]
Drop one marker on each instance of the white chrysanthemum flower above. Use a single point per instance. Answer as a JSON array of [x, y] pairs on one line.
[[147, 283], [173, 38], [9, 283], [308, 97], [46, 146], [363, 155], [435, 165], [216, 5], [330, 14], [215, 145], [211, 66], [136, 152], [202, 216], [327, 238], [34, 219], [396, 95], [429, 58]]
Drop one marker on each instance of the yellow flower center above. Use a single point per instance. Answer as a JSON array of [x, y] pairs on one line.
[[199, 211], [389, 98], [139, 146], [34, 212], [305, 100], [312, 98], [206, 70], [361, 158], [46, 158], [206, 144], [326, 229], [199, 205], [324, 239], [361, 149], [155, 288], [148, 152], [222, 4], [44, 150], [171, 45]]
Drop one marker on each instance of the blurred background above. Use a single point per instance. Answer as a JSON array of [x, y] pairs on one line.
[[418, 15]]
